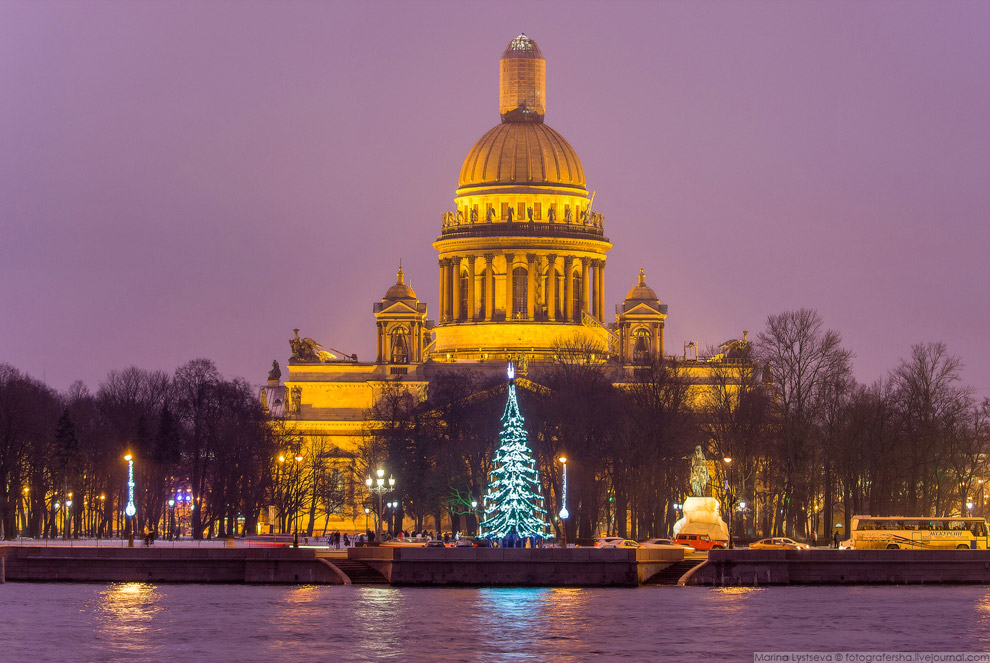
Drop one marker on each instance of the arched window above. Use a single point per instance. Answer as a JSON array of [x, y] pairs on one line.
[[400, 346], [641, 346], [464, 295], [576, 295], [520, 294], [482, 310]]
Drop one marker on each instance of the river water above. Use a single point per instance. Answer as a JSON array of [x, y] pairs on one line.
[[146, 622]]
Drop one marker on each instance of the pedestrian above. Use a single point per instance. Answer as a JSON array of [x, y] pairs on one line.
[[835, 539], [347, 541]]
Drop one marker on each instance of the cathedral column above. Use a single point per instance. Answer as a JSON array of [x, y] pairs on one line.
[[489, 287], [455, 291], [551, 287], [569, 288], [378, 343], [600, 290], [386, 350], [585, 287], [662, 350], [472, 311], [508, 285], [530, 286], [443, 290]]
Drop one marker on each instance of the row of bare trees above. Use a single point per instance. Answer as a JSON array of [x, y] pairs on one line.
[[795, 444], [197, 439]]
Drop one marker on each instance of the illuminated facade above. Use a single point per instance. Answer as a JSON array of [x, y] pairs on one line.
[[521, 276]]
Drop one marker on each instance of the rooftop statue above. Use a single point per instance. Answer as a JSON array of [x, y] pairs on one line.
[[699, 473], [306, 349], [276, 372]]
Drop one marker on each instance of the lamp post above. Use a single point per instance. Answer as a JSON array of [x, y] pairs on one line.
[[295, 511], [130, 510], [67, 518], [379, 487], [474, 512], [564, 513], [171, 519], [728, 496]]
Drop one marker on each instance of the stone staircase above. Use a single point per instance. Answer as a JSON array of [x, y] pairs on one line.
[[359, 572], [673, 573]]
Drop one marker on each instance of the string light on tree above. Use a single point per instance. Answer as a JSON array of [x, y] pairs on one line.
[[513, 503]]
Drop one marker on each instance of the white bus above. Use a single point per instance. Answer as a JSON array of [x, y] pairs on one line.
[[898, 532]]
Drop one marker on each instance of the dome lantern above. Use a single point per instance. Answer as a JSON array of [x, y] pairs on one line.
[[522, 82]]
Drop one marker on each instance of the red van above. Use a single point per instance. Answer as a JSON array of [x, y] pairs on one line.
[[699, 541]]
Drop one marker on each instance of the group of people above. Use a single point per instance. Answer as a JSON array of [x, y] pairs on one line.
[[337, 540]]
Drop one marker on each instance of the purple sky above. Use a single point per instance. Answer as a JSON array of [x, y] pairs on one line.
[[195, 179]]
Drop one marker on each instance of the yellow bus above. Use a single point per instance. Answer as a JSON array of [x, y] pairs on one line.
[[904, 533]]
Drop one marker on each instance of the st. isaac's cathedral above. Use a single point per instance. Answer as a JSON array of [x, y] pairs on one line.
[[522, 271]]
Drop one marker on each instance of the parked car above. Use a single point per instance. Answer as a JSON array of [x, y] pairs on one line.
[[660, 543], [435, 543], [616, 542], [778, 543], [699, 541]]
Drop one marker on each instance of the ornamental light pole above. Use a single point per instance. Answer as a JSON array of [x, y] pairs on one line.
[[728, 495], [130, 510], [474, 512], [379, 487], [564, 513]]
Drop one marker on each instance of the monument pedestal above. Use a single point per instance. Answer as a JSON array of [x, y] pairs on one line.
[[701, 516]]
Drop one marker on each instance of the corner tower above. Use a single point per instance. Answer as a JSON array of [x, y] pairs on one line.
[[522, 255]]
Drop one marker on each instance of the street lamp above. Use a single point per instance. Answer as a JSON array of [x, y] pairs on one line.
[[67, 518], [366, 512], [564, 513], [130, 510], [728, 496], [379, 487], [171, 519], [474, 511]]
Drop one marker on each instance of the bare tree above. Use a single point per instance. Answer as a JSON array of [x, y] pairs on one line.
[[804, 361]]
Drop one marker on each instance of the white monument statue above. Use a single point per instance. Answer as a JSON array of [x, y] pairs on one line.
[[701, 513]]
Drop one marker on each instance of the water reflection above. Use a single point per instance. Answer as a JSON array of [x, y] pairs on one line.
[[377, 618], [732, 600], [983, 610], [126, 616], [508, 617]]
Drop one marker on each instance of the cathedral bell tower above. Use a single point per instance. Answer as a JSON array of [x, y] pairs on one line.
[[401, 319], [640, 325]]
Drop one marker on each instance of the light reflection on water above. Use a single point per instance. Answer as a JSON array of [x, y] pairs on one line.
[[144, 622]]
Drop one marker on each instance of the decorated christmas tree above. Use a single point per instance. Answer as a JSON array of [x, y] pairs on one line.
[[513, 505]]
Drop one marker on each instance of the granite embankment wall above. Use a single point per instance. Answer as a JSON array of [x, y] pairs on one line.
[[518, 567], [842, 567], [201, 565]]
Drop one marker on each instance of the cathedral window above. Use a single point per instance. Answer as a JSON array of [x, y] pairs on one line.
[[520, 294], [464, 295], [521, 211], [537, 211], [505, 211], [482, 309], [576, 300], [641, 347], [400, 346]]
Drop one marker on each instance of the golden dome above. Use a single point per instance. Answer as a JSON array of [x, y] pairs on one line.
[[641, 291], [522, 153], [400, 290]]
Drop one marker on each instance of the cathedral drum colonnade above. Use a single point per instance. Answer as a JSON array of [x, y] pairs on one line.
[[522, 256]]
